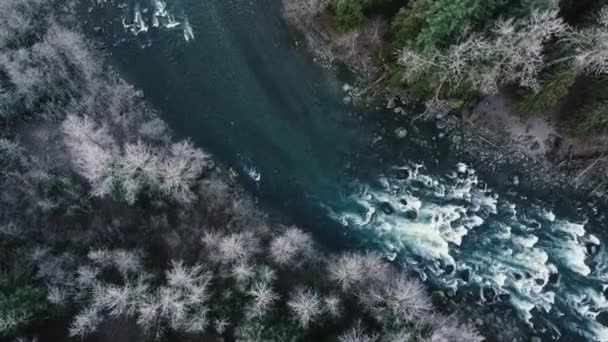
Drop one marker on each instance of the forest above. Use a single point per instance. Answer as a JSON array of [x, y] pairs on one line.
[[110, 229], [543, 55]]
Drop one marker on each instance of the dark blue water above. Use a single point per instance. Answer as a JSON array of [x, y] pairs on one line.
[[228, 75]]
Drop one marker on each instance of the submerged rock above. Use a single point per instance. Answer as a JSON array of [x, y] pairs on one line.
[[387, 208], [591, 248], [411, 215], [402, 174], [347, 100], [515, 180], [553, 278], [465, 275], [449, 269], [400, 132], [441, 124]]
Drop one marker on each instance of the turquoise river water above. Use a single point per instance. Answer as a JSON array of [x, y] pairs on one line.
[[228, 75]]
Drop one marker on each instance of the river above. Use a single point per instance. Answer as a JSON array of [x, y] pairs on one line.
[[229, 75]]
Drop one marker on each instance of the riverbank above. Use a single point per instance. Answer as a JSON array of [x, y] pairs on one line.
[[529, 151]]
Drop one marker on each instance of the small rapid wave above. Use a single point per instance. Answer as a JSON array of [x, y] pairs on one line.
[[458, 233], [138, 17]]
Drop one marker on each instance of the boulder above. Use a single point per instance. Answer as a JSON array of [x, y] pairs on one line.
[[400, 133]]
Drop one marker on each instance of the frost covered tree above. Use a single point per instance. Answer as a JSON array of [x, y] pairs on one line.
[[590, 45], [134, 168], [448, 328], [183, 302], [511, 54], [332, 305], [17, 18], [263, 298], [352, 269], [85, 322], [399, 300], [93, 153], [179, 302], [302, 10], [292, 247], [306, 305], [180, 169], [357, 334], [232, 248]]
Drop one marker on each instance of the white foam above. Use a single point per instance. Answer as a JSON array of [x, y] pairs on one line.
[[508, 251], [188, 33]]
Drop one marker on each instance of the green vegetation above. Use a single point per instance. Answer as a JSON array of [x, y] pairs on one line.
[[19, 306], [588, 119], [446, 21], [554, 85], [348, 13], [446, 51]]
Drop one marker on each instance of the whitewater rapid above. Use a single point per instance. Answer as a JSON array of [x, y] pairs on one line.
[[458, 233]]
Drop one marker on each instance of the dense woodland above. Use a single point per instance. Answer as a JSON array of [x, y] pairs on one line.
[[546, 55], [111, 230]]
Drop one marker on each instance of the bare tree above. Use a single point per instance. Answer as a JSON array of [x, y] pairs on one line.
[[352, 269], [306, 305], [17, 18], [357, 334], [180, 169], [292, 248], [263, 297], [93, 153], [590, 45], [232, 248], [396, 302], [513, 54], [303, 10], [85, 322], [448, 328], [332, 305]]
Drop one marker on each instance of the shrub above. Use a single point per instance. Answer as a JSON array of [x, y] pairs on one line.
[[588, 119], [292, 248], [348, 14], [554, 84], [306, 306]]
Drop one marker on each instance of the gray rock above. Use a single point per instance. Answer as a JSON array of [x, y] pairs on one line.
[[535, 146], [347, 100], [515, 180], [441, 124], [347, 87], [391, 103], [400, 132]]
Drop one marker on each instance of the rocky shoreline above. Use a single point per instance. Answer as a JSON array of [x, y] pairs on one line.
[[490, 135]]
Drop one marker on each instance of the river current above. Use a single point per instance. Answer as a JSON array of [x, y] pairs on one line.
[[229, 75]]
